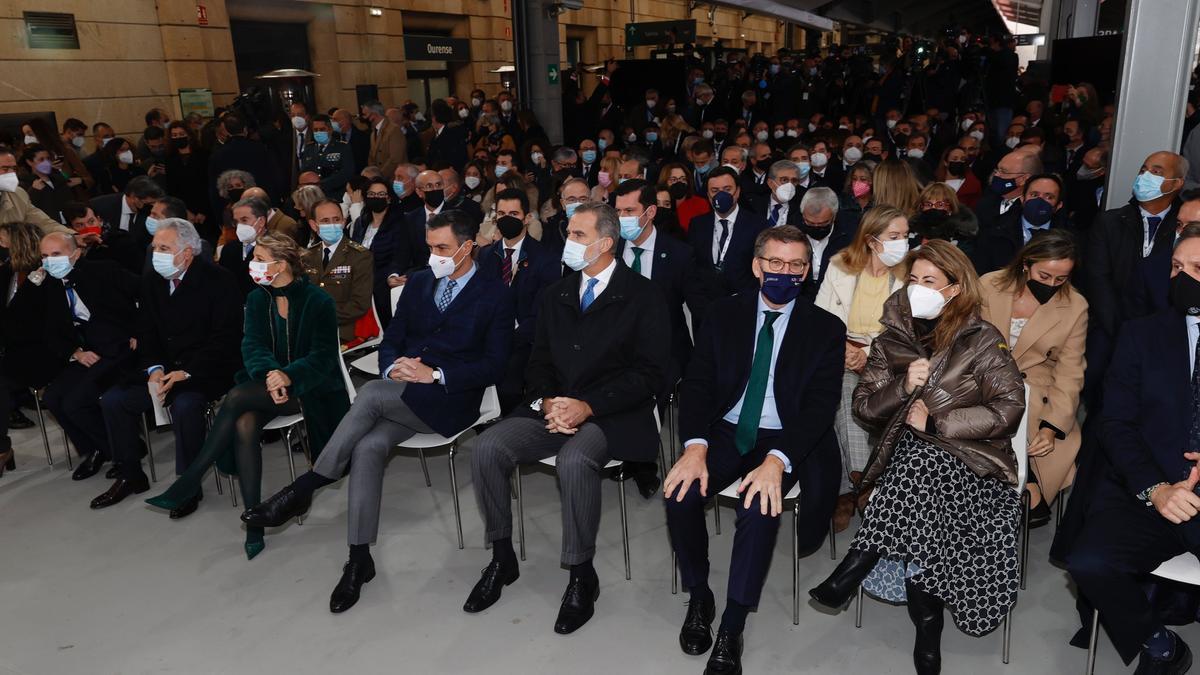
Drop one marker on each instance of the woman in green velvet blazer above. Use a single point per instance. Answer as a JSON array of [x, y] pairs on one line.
[[290, 350]]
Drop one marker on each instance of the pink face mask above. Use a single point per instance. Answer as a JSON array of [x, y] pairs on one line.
[[604, 178], [860, 188]]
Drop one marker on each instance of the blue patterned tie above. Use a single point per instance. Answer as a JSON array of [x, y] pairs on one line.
[[775, 215], [447, 295], [588, 295]]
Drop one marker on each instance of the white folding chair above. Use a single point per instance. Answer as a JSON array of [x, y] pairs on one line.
[[370, 343], [489, 410], [552, 462], [1020, 444]]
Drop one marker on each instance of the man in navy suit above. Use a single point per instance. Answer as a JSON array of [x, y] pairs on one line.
[[826, 233], [757, 404], [724, 239], [526, 266], [1144, 509], [446, 344], [1040, 210]]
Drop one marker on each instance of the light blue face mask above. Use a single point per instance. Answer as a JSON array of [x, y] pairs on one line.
[[570, 209], [501, 170], [398, 188], [164, 264], [651, 136], [330, 233], [57, 266], [575, 255], [321, 137], [151, 225], [337, 128], [589, 156], [1148, 187], [630, 229], [603, 143]]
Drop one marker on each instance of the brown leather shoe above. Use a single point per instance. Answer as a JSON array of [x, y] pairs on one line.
[[843, 512]]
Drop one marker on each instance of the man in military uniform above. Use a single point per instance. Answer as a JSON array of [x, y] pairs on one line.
[[329, 156], [341, 267]]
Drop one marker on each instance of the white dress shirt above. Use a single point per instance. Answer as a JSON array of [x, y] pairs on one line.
[[430, 213], [818, 253], [1193, 326], [516, 249], [1147, 235], [718, 253], [647, 252], [1006, 204], [127, 215], [601, 283], [783, 212]]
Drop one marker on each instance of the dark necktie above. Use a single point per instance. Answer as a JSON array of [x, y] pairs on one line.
[[325, 258], [775, 214], [1153, 222], [1194, 436], [637, 259], [506, 272], [756, 387], [71, 302], [174, 286], [721, 242]]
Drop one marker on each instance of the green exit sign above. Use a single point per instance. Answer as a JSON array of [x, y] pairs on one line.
[[552, 73]]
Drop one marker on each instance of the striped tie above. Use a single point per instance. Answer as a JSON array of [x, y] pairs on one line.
[[506, 271]]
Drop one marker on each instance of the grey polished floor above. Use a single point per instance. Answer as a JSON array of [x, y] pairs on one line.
[[126, 590]]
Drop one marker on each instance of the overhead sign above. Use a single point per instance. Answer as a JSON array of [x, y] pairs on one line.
[[436, 48], [660, 32], [1030, 39]]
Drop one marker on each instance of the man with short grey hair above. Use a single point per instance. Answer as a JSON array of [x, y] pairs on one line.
[[826, 234], [599, 357], [250, 220], [189, 337]]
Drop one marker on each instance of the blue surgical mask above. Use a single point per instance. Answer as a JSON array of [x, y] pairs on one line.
[[722, 202], [398, 188], [57, 266], [501, 170], [589, 156], [651, 136], [330, 233], [774, 68], [337, 128], [804, 168], [570, 209], [1147, 187], [321, 137], [781, 289], [575, 255], [602, 143], [631, 229], [151, 225], [164, 264]]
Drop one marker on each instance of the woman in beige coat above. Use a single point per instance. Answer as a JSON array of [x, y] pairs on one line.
[[859, 279], [1045, 319]]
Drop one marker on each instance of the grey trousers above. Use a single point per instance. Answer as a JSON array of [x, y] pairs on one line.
[[378, 420], [522, 440]]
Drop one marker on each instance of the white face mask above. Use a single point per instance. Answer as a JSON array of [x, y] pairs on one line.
[[707, 133], [792, 133], [9, 181], [784, 192], [916, 153], [925, 302], [125, 157], [818, 159], [891, 124], [977, 135], [443, 265], [1012, 141], [30, 140], [299, 123], [894, 251], [246, 233], [258, 273], [472, 182], [778, 133], [967, 124], [852, 154], [761, 136]]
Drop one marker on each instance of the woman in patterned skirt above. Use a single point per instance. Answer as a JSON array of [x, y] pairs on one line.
[[944, 393]]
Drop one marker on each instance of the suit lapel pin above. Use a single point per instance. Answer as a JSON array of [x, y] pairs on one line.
[[662, 255]]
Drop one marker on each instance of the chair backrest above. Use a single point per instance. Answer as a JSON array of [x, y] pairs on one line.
[[378, 321], [351, 390], [657, 419], [395, 297], [687, 319], [1020, 444], [489, 408]]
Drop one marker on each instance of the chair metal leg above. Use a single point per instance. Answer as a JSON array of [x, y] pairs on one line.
[[149, 450], [674, 573], [233, 490], [1059, 506], [796, 562], [424, 466], [624, 523], [671, 400], [520, 511], [858, 607], [453, 492], [1093, 642], [287, 448], [37, 404], [717, 513], [217, 480], [832, 539], [67, 450], [1024, 535], [1007, 635]]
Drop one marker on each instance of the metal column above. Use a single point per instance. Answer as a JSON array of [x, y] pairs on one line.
[[1156, 62], [535, 49]]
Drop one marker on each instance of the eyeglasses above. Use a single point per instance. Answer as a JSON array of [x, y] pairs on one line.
[[574, 200], [941, 204], [777, 265]]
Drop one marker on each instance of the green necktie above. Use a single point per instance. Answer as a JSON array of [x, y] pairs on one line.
[[637, 259], [756, 388]]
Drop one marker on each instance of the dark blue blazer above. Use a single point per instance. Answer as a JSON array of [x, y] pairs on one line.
[[736, 273], [414, 228], [841, 236], [469, 342], [537, 268], [1147, 412], [808, 385], [390, 247]]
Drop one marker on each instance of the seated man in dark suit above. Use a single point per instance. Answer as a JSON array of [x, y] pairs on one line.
[[250, 219], [775, 203], [1040, 210], [189, 342], [430, 189], [826, 233], [128, 211], [526, 266], [101, 298], [446, 344], [724, 239], [599, 357], [160, 210], [757, 404], [1144, 510]]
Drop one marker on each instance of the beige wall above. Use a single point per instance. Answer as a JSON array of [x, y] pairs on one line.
[[137, 54]]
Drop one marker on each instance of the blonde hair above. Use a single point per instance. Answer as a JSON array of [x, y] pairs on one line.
[[306, 197], [24, 246], [285, 249], [940, 192], [857, 255], [894, 184], [958, 270], [613, 166]]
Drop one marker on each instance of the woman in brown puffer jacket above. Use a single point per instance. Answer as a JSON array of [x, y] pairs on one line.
[[943, 390]]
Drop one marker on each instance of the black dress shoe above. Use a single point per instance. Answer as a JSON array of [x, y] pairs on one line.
[[837, 591], [696, 635], [90, 466], [1039, 515], [114, 471], [578, 605], [1178, 664], [18, 420], [187, 508], [492, 580], [354, 575], [120, 489], [278, 509], [928, 616], [726, 657]]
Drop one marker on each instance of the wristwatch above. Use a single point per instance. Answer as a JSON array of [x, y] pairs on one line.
[[536, 406], [1145, 495], [437, 376]]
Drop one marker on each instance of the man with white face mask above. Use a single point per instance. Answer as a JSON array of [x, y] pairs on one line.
[[598, 360], [250, 220], [448, 343], [15, 206]]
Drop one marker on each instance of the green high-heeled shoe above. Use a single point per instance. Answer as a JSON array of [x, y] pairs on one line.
[[254, 542], [176, 496]]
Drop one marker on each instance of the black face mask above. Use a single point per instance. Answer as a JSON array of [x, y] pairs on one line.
[[664, 216], [901, 140], [179, 143], [817, 232], [509, 226], [957, 169], [375, 204], [434, 198], [678, 191], [235, 194], [1185, 294], [1042, 292], [873, 157], [931, 224]]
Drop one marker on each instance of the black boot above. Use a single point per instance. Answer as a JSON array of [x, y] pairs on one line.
[[926, 612], [837, 591]]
